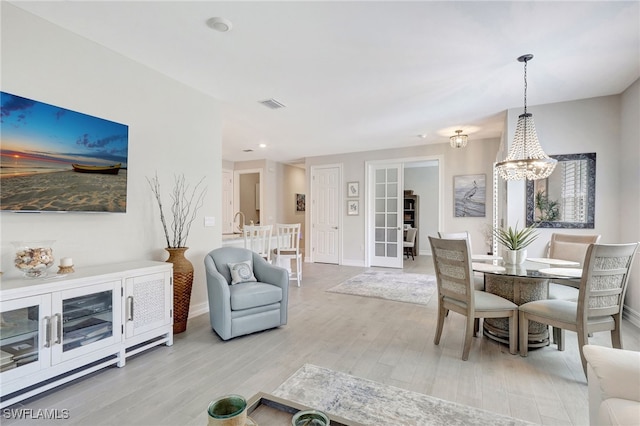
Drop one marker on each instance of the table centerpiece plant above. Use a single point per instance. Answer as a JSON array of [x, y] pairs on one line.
[[516, 241], [185, 203]]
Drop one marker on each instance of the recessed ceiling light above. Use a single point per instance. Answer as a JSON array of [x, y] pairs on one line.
[[263, 145], [220, 24]]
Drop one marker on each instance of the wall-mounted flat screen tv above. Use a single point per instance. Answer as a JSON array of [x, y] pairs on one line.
[[56, 160]]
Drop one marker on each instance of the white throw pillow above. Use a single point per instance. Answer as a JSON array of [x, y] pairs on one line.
[[241, 272]]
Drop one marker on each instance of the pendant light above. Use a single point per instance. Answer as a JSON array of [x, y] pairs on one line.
[[458, 141], [526, 159]]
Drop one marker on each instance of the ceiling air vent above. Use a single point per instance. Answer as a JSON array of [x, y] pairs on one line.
[[272, 103]]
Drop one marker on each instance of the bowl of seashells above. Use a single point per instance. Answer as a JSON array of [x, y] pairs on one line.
[[33, 258]]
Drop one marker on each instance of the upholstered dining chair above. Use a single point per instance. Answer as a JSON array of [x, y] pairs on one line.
[[568, 247], [478, 277], [288, 249], [605, 275], [409, 243], [246, 294], [452, 262], [257, 238]]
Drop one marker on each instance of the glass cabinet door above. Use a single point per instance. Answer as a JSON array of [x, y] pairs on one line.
[[25, 336], [86, 319]]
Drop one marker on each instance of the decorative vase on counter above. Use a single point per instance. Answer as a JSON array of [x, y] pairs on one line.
[[515, 257], [182, 284]]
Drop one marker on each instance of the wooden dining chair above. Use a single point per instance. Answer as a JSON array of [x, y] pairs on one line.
[[478, 278], [454, 277], [257, 238], [288, 248], [568, 247], [600, 301]]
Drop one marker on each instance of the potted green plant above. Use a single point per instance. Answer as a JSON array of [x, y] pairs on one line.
[[516, 241]]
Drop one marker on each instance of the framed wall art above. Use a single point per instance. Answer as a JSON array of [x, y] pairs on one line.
[[353, 189], [353, 207], [469, 195], [300, 202]]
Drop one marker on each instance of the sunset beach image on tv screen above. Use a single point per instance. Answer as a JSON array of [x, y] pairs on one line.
[[58, 160]]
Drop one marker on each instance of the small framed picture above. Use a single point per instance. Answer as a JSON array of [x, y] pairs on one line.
[[353, 207], [300, 202], [353, 189], [469, 195]]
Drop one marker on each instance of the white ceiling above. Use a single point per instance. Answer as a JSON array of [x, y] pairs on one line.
[[363, 75]]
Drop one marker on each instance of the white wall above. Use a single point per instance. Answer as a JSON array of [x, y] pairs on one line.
[[629, 208], [425, 183], [590, 125], [173, 129], [476, 158], [292, 181]]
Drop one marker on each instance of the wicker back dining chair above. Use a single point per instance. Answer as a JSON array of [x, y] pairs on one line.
[[478, 278], [600, 301], [454, 277]]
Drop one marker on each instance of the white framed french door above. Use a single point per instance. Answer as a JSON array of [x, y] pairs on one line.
[[384, 214]]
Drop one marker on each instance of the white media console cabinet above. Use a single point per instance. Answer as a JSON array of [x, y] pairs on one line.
[[58, 328]]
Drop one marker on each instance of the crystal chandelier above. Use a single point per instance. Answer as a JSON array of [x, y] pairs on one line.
[[526, 159], [458, 141]]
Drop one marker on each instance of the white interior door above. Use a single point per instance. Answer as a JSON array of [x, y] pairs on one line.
[[325, 214], [227, 201], [385, 214]]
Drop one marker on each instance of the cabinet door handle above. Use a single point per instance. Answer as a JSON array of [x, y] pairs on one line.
[[58, 328], [47, 331], [130, 308]]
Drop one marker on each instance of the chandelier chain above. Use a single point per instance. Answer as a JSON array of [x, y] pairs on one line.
[[525, 86]]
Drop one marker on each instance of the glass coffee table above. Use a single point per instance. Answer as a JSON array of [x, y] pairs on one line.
[[521, 284]]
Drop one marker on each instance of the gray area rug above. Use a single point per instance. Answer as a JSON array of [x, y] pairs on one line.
[[372, 403], [398, 286]]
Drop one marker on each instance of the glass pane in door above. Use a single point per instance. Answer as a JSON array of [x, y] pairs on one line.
[[19, 337], [86, 319], [387, 226]]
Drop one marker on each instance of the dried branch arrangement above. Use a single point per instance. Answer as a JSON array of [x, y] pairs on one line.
[[185, 203]]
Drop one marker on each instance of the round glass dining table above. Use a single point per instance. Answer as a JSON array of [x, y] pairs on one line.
[[524, 283]]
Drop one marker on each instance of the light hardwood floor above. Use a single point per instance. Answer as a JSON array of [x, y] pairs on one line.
[[386, 341]]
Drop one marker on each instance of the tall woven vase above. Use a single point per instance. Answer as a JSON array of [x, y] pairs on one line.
[[182, 284]]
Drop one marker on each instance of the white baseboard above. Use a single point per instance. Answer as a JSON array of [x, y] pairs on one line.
[[632, 315], [353, 262], [199, 309]]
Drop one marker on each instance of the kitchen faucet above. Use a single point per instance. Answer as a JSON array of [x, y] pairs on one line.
[[241, 225]]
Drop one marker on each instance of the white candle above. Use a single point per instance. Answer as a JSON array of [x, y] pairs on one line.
[[66, 261]]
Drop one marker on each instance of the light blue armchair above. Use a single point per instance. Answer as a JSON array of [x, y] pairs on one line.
[[245, 307]]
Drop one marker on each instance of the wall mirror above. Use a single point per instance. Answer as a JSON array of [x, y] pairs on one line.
[[567, 198]]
